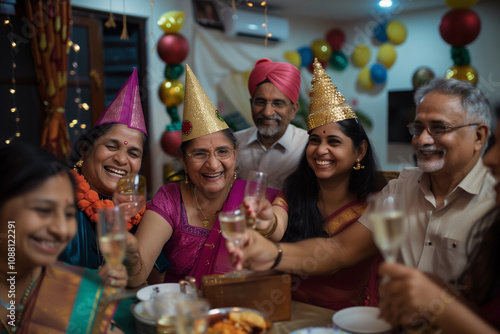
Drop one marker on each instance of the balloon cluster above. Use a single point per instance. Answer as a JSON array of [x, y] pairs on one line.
[[326, 50], [460, 26], [388, 34], [172, 49]]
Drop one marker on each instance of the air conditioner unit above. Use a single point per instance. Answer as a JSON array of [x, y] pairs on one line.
[[244, 23]]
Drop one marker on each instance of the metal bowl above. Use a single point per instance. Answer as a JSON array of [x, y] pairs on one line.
[[219, 314]]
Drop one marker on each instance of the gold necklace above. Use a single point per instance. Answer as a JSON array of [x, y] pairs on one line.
[[205, 219], [21, 307]]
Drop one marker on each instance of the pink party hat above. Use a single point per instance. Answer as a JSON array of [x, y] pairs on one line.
[[126, 107]]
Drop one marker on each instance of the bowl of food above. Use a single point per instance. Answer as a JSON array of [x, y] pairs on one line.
[[237, 320]]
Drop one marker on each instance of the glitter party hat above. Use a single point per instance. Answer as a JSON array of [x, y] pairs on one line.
[[200, 116], [126, 107], [327, 104]]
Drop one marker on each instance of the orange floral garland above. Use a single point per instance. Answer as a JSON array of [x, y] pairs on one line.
[[88, 201]]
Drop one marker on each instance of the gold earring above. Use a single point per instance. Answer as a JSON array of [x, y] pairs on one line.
[[186, 177], [78, 164], [358, 165]]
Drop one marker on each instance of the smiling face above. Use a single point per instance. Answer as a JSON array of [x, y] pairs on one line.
[[117, 152], [44, 222], [492, 160], [271, 121], [456, 151], [331, 154], [213, 175]]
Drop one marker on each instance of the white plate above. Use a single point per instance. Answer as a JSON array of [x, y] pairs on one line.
[[316, 330], [147, 292], [361, 319]]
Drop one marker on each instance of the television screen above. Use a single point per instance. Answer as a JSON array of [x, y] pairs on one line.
[[401, 112]]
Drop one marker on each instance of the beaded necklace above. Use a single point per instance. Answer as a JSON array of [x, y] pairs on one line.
[[20, 309]]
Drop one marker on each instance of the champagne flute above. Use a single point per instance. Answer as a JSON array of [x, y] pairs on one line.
[[130, 193], [255, 192], [233, 226], [387, 216]]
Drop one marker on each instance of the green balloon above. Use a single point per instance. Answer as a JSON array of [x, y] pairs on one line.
[[339, 60], [173, 71]]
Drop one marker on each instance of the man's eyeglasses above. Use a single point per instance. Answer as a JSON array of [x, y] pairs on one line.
[[416, 129], [220, 154], [278, 104]]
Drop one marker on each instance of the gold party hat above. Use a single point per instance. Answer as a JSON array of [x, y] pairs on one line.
[[327, 104], [200, 115]]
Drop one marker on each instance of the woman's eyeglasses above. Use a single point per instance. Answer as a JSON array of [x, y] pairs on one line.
[[220, 154]]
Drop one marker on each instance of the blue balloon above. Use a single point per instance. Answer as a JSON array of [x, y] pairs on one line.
[[378, 73], [306, 55], [380, 32]]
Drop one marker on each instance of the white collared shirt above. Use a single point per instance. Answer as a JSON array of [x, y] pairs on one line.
[[278, 161], [436, 238]]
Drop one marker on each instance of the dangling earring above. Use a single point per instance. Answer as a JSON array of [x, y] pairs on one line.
[[186, 177], [78, 164], [235, 175], [358, 165]]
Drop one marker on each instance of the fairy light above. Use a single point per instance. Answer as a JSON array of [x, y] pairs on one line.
[[78, 99], [12, 90]]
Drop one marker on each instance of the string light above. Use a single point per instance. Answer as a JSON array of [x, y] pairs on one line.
[[13, 109], [78, 99]]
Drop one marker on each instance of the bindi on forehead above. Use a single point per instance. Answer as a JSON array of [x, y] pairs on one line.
[[125, 142]]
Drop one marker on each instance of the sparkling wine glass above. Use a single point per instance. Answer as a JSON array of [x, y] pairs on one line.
[[130, 194], [387, 215], [233, 226], [255, 192]]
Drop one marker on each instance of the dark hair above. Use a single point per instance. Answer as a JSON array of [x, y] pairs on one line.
[[482, 274], [25, 167], [227, 132], [301, 187], [85, 143]]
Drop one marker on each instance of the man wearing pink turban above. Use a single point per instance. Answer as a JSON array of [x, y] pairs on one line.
[[273, 145]]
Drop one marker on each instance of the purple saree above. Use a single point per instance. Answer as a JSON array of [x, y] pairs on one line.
[[195, 251]]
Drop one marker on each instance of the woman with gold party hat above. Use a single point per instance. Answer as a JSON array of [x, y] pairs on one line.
[[327, 193], [181, 220]]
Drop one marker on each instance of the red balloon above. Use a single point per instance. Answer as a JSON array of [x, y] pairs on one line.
[[171, 141], [460, 27], [323, 63], [173, 48], [336, 39]]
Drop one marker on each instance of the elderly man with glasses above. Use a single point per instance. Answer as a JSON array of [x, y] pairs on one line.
[[443, 197], [273, 145]]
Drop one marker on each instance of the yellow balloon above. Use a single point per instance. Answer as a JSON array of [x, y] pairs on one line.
[[364, 79], [321, 49], [361, 55], [386, 54], [171, 22], [396, 32], [171, 92], [293, 57], [460, 3], [463, 73]]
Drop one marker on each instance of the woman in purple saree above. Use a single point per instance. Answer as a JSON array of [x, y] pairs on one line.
[[181, 220]]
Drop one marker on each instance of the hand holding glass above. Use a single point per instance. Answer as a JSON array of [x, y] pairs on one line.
[[387, 216], [111, 232], [255, 192], [233, 226], [130, 193]]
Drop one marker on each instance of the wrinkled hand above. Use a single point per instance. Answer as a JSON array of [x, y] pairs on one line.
[[116, 278], [263, 216], [257, 253], [410, 297]]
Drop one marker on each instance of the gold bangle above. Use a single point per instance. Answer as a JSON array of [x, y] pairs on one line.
[[273, 228]]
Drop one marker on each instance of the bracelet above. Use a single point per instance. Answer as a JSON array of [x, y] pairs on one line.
[[273, 228], [278, 258]]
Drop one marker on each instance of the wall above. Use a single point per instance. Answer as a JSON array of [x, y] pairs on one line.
[[423, 47]]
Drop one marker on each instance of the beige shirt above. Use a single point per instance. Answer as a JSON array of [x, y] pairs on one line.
[[278, 161], [436, 238]]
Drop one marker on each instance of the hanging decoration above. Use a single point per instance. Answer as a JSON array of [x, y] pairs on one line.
[[459, 27], [124, 34], [110, 23], [173, 49], [74, 124], [12, 89]]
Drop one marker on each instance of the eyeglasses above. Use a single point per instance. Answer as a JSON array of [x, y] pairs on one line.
[[220, 154], [278, 104], [416, 129]]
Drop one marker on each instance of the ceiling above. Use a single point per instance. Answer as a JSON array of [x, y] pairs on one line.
[[342, 10]]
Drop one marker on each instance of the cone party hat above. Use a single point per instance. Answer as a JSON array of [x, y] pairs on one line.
[[126, 107], [327, 104], [200, 116]]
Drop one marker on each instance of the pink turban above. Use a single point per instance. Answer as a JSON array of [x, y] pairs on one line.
[[284, 76]]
